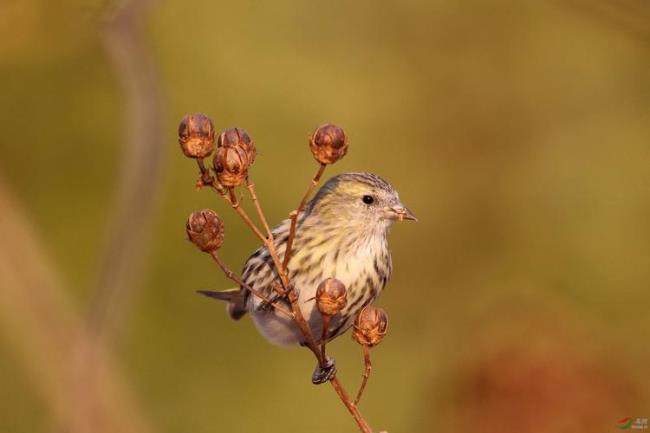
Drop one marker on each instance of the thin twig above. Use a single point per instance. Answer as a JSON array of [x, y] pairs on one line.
[[324, 335], [304, 327], [205, 177], [352, 408], [234, 203], [294, 216], [366, 372], [268, 242], [258, 207], [230, 274]]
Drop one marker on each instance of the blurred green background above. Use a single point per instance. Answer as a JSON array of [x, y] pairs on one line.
[[518, 132]]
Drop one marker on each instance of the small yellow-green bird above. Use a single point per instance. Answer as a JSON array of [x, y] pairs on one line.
[[341, 233]]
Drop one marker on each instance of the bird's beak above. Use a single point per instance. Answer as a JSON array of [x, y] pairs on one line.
[[402, 213]]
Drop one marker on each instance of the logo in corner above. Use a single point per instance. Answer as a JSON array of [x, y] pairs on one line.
[[632, 423]]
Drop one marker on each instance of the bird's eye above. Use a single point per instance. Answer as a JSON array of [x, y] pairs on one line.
[[368, 199]]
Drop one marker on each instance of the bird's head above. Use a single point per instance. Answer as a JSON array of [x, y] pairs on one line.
[[359, 199]]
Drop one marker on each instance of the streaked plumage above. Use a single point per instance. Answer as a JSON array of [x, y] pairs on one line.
[[338, 235]]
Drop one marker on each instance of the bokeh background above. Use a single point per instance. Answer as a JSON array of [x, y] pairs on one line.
[[518, 132]]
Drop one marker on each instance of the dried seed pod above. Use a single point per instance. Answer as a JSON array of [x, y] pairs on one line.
[[196, 135], [237, 137], [205, 230], [331, 297], [370, 326], [328, 143], [231, 165], [235, 154]]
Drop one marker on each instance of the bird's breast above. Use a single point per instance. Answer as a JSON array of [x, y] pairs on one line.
[[363, 267]]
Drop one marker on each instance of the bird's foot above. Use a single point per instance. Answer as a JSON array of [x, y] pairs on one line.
[[279, 295], [266, 306], [324, 374]]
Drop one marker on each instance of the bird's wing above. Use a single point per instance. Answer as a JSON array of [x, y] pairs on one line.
[[259, 273], [259, 270]]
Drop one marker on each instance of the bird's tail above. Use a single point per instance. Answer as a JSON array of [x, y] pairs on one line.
[[236, 299]]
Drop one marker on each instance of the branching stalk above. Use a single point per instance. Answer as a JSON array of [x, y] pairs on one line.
[[207, 179], [349, 404]]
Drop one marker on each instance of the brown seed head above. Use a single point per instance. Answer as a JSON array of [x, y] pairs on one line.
[[328, 143], [370, 326], [331, 297], [196, 135], [237, 137], [231, 165], [235, 154], [205, 230]]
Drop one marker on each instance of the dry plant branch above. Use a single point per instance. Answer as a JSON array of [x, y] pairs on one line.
[[350, 405], [234, 155], [324, 335], [251, 189], [231, 198]]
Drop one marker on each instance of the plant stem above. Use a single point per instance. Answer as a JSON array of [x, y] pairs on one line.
[[323, 341], [352, 408], [294, 216], [366, 372], [234, 203], [258, 207], [304, 327]]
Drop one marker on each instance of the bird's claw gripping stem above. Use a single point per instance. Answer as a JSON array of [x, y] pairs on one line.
[[279, 294], [324, 374]]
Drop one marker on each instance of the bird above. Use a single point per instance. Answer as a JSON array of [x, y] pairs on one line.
[[341, 233]]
